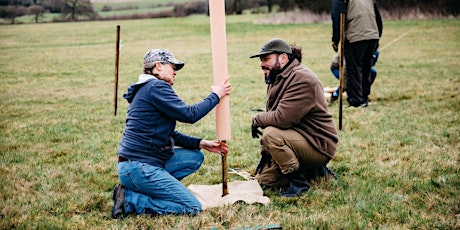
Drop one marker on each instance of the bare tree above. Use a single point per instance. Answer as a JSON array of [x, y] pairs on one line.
[[12, 12], [270, 5], [237, 6], [74, 8], [37, 11]]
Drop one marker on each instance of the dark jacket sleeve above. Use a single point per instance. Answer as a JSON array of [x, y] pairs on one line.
[[378, 19], [164, 97], [186, 141], [337, 7]]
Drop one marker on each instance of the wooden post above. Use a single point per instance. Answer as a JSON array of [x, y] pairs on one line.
[[224, 174], [341, 73], [117, 55], [220, 70]]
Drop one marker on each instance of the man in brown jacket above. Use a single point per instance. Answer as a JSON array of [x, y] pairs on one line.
[[299, 136]]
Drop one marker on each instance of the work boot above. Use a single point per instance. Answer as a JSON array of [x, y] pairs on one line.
[[298, 183], [322, 171], [118, 197]]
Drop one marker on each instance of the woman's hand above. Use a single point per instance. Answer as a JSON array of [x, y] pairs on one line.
[[220, 148], [222, 89]]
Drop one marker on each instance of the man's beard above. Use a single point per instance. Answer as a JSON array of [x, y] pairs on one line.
[[271, 76]]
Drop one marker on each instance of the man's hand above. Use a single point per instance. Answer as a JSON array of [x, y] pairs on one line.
[[335, 46], [220, 148], [255, 131]]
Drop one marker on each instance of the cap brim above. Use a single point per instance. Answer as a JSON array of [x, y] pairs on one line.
[[261, 54], [179, 66]]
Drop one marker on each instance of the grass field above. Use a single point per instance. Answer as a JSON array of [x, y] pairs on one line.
[[397, 161]]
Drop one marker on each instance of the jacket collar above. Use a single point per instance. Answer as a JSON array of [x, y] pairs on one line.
[[287, 71]]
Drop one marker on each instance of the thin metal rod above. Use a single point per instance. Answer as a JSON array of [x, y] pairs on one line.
[[117, 55]]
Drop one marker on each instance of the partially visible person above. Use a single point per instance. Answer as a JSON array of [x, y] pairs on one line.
[[298, 135], [335, 69], [362, 34], [152, 155]]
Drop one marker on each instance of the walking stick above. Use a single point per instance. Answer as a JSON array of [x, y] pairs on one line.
[[117, 54], [342, 39], [220, 69]]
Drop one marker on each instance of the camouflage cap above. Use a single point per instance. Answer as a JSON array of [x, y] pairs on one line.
[[274, 45], [161, 55]]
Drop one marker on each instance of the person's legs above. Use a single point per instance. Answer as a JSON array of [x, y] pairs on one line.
[[184, 162], [373, 75], [152, 190], [336, 73], [335, 94], [368, 51], [294, 156], [275, 141], [290, 150], [270, 175], [354, 53]]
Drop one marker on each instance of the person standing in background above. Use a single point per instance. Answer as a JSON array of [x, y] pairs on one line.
[[363, 29]]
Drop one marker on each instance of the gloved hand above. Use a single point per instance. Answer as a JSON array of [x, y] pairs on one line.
[[255, 131], [335, 46]]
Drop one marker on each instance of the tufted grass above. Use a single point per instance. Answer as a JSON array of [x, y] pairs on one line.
[[398, 160]]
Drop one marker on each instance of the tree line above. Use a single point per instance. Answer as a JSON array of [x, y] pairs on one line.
[[70, 10], [442, 7], [73, 10]]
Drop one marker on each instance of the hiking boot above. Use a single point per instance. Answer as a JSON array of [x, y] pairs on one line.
[[298, 183], [118, 197], [296, 187], [362, 105]]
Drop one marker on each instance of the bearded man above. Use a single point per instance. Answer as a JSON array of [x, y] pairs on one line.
[[297, 133]]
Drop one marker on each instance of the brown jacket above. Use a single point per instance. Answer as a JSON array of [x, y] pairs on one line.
[[296, 101]]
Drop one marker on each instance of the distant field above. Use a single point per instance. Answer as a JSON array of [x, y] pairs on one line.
[[397, 162], [118, 8]]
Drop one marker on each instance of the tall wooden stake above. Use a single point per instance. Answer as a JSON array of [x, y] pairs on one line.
[[224, 174], [342, 74], [117, 55], [220, 69]]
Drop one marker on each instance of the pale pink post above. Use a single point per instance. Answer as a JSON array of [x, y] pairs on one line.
[[219, 65]]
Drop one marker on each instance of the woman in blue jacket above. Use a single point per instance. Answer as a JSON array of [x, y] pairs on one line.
[[152, 156]]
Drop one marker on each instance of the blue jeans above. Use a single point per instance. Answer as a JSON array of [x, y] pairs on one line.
[[156, 190]]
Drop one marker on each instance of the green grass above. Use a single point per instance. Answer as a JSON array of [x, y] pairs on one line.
[[397, 161]]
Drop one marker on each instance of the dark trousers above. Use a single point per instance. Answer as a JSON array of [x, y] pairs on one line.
[[359, 62]]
